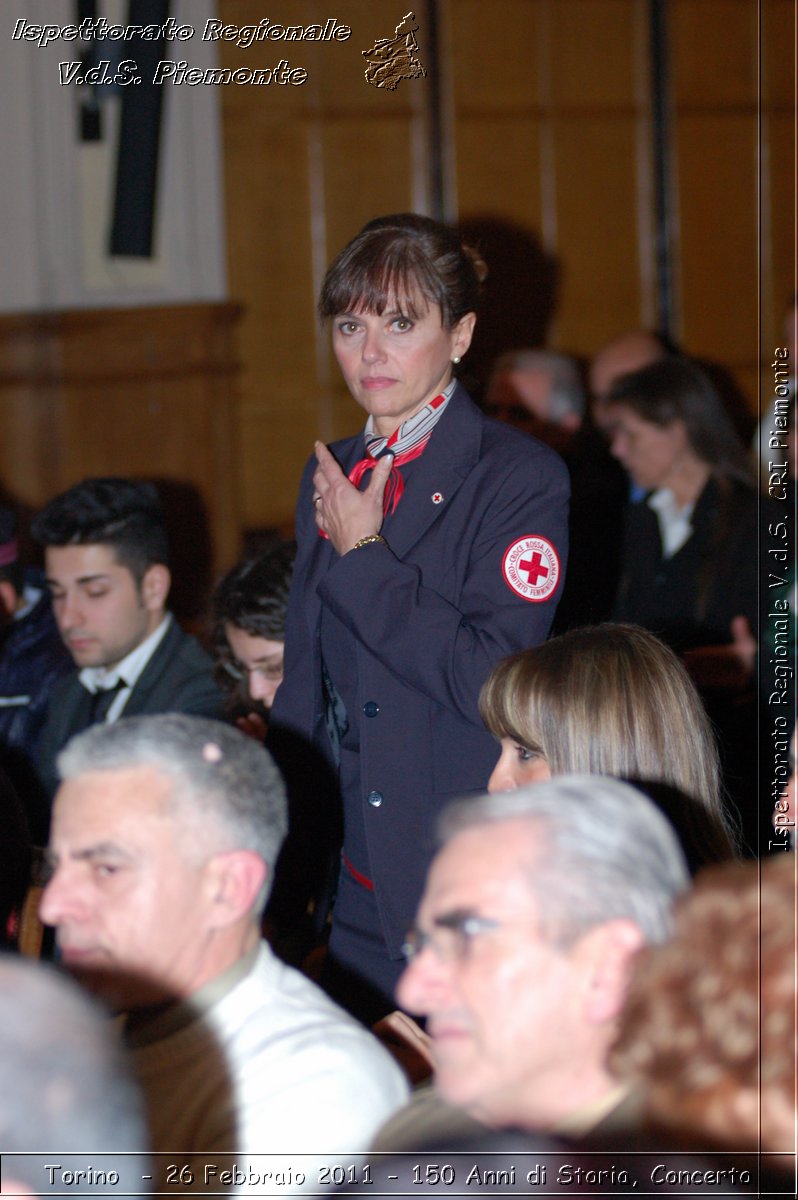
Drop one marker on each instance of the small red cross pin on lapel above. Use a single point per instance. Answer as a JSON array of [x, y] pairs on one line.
[[437, 498]]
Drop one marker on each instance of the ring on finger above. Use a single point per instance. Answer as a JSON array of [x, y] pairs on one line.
[[316, 501]]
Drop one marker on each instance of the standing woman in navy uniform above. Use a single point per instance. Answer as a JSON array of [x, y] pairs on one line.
[[431, 545]]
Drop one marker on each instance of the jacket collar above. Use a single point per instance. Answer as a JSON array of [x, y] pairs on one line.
[[451, 453]]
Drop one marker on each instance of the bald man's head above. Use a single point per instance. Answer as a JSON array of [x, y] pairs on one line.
[[630, 351]]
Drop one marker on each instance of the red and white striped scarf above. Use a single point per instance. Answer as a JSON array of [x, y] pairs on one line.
[[405, 443]]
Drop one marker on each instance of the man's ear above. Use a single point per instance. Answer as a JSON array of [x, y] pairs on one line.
[[155, 586], [235, 877], [607, 952]]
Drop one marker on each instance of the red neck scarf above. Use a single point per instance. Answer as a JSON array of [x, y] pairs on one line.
[[405, 443]]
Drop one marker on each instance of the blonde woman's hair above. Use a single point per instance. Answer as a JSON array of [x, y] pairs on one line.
[[610, 699]]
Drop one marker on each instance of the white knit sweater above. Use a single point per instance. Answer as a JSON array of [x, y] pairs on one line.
[[274, 1066]]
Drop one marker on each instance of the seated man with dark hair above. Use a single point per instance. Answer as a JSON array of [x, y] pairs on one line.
[[106, 562]]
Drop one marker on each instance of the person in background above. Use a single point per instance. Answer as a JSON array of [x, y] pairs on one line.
[[249, 608], [684, 546], [612, 699], [621, 355], [691, 565], [32, 659], [107, 567], [430, 545], [165, 834], [541, 392], [249, 612], [64, 1086]]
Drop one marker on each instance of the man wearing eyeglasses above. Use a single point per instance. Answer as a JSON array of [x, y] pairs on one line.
[[534, 908]]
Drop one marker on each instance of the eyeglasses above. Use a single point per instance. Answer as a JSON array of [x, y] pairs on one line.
[[452, 938], [269, 672]]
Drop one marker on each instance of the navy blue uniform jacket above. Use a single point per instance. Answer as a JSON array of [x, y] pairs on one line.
[[429, 615]]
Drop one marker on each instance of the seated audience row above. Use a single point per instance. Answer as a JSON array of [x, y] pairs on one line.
[[560, 997]]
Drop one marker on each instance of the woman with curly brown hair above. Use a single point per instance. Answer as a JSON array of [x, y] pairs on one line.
[[708, 1029]]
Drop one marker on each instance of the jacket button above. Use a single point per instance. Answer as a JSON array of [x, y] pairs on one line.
[[375, 799], [371, 708]]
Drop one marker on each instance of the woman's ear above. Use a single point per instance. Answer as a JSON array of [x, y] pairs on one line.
[[462, 333]]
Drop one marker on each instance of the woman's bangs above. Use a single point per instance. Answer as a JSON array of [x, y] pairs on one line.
[[381, 283]]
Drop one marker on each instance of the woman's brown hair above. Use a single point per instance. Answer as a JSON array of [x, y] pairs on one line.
[[609, 699]]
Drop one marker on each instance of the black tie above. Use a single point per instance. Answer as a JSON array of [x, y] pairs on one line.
[[101, 701]]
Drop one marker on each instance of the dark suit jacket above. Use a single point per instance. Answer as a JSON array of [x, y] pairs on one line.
[[425, 618], [178, 678], [662, 594]]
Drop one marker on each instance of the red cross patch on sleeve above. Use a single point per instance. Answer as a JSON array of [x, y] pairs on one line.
[[531, 568]]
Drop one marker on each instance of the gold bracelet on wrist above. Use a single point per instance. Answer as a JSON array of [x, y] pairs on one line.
[[367, 541]]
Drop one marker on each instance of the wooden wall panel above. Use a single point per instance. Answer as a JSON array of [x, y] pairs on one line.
[[714, 52], [508, 148], [366, 172], [496, 59], [599, 195], [732, 66], [779, 171], [594, 53], [778, 132], [550, 108], [718, 235], [145, 392]]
